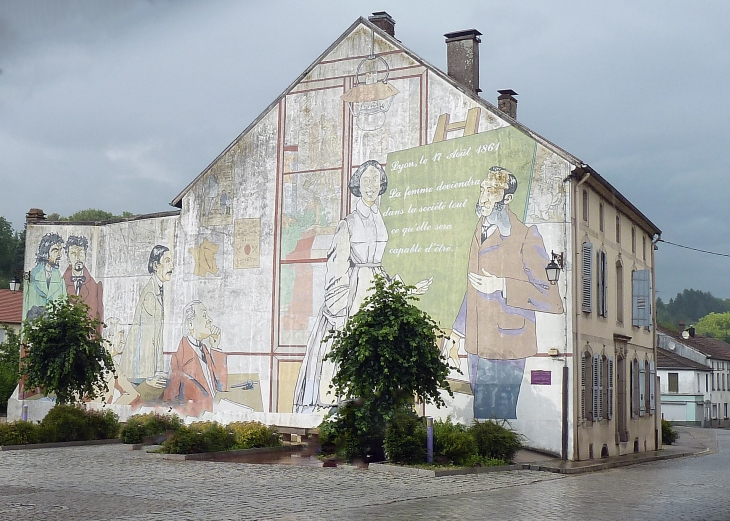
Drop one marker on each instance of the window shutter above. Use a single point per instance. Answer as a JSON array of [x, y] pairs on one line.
[[596, 387], [609, 393], [652, 387], [583, 385], [642, 386], [587, 276], [604, 283], [599, 284], [641, 298]]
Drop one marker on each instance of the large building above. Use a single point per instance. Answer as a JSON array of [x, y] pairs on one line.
[[374, 161]]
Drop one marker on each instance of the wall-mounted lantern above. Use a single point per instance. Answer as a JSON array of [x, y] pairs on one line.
[[554, 267], [14, 284]]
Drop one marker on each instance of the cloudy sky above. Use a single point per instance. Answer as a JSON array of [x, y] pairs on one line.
[[118, 105]]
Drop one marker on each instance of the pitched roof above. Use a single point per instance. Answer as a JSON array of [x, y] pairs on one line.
[[11, 307], [582, 169], [668, 360], [712, 347]]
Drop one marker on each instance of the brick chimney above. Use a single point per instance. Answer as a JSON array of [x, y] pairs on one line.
[[507, 103], [462, 58], [34, 215], [384, 21]]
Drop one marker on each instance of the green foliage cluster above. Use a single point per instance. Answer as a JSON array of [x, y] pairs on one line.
[[12, 252], [62, 423], [140, 426], [65, 353], [9, 366], [340, 434], [252, 435], [90, 215], [484, 443], [214, 437], [405, 438], [669, 435], [715, 325], [689, 307], [386, 355]]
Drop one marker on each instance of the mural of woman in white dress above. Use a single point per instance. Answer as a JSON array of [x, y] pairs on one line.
[[352, 262]]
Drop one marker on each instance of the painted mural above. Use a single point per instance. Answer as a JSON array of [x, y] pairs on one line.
[[372, 163]]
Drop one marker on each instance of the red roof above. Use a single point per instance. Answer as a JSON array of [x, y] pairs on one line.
[[11, 307]]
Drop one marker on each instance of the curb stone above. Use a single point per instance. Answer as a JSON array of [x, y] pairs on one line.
[[60, 444]]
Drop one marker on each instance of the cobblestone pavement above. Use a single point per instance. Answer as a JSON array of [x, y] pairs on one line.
[[114, 483]]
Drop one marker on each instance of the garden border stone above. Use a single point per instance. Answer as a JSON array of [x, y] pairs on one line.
[[60, 444]]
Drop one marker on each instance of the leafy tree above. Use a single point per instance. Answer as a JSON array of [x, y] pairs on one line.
[[386, 355], [65, 353], [91, 214], [12, 248], [715, 325], [688, 307], [9, 366]]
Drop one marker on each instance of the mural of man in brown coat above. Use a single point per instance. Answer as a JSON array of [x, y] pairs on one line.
[[507, 286], [78, 279], [198, 371]]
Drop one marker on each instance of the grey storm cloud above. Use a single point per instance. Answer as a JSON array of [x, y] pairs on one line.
[[119, 105]]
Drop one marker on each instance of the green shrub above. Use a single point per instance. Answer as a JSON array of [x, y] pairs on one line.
[[453, 443], [669, 435], [74, 423], [405, 438], [141, 425], [496, 440], [200, 437], [9, 366], [20, 433], [340, 435], [251, 435]]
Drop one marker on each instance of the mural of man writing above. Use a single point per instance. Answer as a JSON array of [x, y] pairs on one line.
[[507, 286]]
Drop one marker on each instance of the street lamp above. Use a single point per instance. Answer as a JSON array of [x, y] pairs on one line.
[[14, 285], [553, 268]]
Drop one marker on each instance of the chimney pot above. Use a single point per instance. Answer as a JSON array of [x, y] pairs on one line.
[[384, 21], [35, 215], [462, 58], [691, 330], [507, 103]]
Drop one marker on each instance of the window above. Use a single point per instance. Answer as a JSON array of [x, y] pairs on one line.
[[643, 247], [707, 383], [726, 411], [596, 387], [618, 229], [633, 239], [643, 388], [673, 382], [649, 404], [2, 336], [600, 217], [587, 260], [634, 388], [619, 292], [713, 381], [602, 301], [714, 411], [585, 205], [641, 298]]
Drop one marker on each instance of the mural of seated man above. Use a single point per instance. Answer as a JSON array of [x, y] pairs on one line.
[[198, 370]]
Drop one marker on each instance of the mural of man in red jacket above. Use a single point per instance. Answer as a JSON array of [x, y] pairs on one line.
[[198, 370]]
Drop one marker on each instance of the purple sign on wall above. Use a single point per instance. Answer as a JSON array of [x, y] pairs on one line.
[[540, 378]]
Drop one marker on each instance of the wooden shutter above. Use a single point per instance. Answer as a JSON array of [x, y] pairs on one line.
[[587, 276], [641, 298], [599, 286], [609, 389], [642, 386], [597, 388], [652, 387], [604, 283]]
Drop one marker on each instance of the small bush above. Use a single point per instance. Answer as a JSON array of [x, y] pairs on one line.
[[453, 443], [251, 435], [141, 425], [73, 423], [669, 435], [20, 433], [405, 438], [339, 435], [200, 437], [496, 440]]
